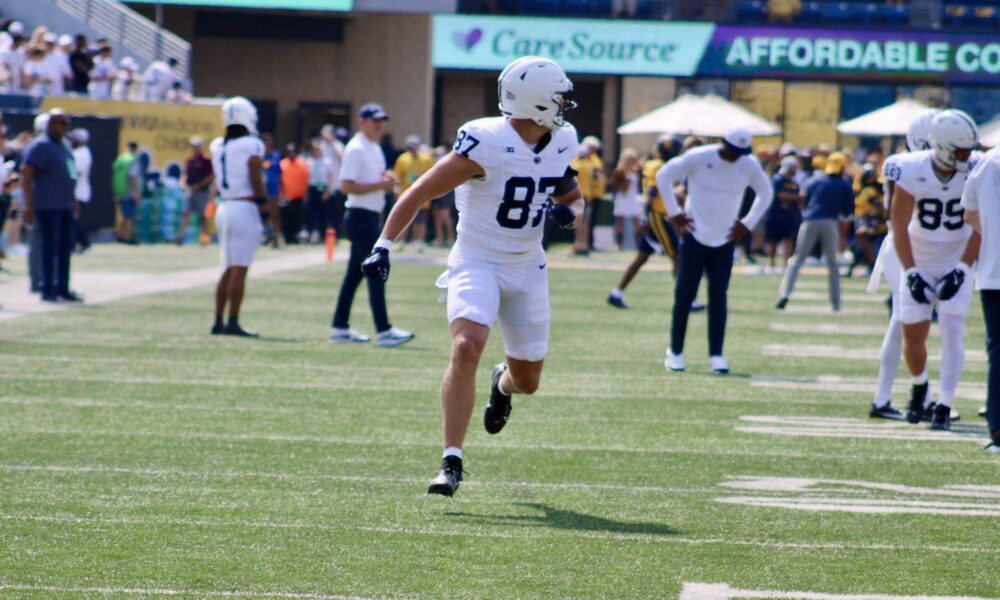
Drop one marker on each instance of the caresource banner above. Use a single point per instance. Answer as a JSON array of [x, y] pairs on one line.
[[851, 54], [580, 46], [683, 49]]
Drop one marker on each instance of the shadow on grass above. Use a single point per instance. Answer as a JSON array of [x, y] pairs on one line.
[[557, 518]]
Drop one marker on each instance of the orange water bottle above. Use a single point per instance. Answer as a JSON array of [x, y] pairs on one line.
[[331, 243]]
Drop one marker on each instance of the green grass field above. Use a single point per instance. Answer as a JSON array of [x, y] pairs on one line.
[[141, 457]]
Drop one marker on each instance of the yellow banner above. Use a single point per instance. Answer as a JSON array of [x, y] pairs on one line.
[[766, 98], [163, 130], [812, 111]]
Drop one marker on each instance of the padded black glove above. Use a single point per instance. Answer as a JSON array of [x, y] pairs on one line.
[[377, 264], [952, 282], [921, 291]]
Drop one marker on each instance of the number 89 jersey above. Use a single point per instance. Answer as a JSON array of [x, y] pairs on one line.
[[504, 211], [938, 216]]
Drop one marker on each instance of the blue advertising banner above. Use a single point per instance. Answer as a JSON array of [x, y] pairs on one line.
[[580, 46], [682, 49]]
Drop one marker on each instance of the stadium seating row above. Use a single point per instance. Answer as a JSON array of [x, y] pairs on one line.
[[846, 14]]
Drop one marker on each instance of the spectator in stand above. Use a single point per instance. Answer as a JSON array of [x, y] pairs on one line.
[[126, 184], [81, 62], [34, 76], [15, 56], [333, 152], [84, 160], [160, 78], [318, 195], [441, 208], [178, 95], [783, 11], [623, 9], [56, 65], [126, 83], [593, 182], [870, 219], [410, 165], [103, 74], [60, 63], [829, 203], [198, 178], [625, 182], [781, 221], [271, 166], [48, 177], [5, 196], [294, 187]]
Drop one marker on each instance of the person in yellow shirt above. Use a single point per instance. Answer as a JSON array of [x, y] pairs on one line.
[[870, 225], [593, 182], [410, 165]]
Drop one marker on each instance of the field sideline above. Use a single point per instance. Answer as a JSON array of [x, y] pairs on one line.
[[141, 457]]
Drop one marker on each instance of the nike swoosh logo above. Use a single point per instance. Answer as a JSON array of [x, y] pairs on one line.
[[561, 150], [541, 266]]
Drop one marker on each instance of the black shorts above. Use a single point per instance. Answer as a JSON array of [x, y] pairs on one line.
[[446, 202], [777, 229]]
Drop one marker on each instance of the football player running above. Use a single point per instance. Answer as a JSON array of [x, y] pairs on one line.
[[918, 138], [936, 250], [510, 172], [237, 160]]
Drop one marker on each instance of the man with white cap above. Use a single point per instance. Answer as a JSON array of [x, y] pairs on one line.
[[79, 138], [126, 79], [56, 64], [717, 177], [14, 57]]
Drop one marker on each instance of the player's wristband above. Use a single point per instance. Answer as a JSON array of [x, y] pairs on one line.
[[384, 243]]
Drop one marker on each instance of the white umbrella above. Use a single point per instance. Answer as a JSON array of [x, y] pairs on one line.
[[699, 115], [894, 119], [989, 133]]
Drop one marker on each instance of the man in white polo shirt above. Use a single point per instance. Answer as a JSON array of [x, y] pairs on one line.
[[981, 201], [365, 180], [717, 176]]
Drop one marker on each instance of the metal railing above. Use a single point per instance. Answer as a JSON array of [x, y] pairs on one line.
[[143, 37]]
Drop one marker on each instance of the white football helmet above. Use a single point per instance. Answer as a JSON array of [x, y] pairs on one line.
[[953, 138], [918, 136], [535, 88], [240, 111]]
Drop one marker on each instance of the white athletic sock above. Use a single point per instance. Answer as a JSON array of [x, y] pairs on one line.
[[617, 292], [952, 329], [453, 451], [889, 357], [502, 386], [919, 379]]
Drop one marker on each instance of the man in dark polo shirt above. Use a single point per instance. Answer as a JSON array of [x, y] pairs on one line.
[[48, 178], [198, 177]]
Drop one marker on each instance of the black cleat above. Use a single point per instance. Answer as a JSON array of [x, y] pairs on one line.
[[929, 412], [918, 395], [498, 408], [886, 412], [617, 301], [448, 477], [70, 296], [941, 418], [238, 331], [781, 303], [994, 445]]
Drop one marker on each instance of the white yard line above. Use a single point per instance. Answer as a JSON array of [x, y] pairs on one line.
[[806, 485], [722, 591], [866, 505], [520, 534], [867, 354], [812, 328], [102, 287], [856, 428], [838, 384], [129, 591]]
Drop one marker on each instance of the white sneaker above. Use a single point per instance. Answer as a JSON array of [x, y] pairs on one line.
[[719, 364], [674, 362], [347, 336], [393, 337]]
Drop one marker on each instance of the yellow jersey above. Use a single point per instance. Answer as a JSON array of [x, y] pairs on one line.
[[649, 169], [590, 176], [409, 167]]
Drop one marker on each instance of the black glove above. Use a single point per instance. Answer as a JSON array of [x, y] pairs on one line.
[[919, 288], [952, 282], [377, 264], [562, 215]]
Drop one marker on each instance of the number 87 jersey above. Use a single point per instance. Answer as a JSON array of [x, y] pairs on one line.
[[504, 211]]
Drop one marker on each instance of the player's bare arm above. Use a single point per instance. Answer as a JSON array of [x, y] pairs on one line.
[[447, 174], [256, 166], [899, 219], [972, 218]]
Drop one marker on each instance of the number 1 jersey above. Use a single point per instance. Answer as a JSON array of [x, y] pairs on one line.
[[504, 211]]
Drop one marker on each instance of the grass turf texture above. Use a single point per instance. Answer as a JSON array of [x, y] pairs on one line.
[[140, 453]]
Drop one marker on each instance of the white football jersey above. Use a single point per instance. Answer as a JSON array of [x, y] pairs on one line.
[[938, 216], [229, 163], [504, 211]]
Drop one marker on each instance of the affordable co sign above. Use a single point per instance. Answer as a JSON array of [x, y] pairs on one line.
[[684, 49]]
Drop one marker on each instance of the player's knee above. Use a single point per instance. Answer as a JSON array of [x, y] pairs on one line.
[[526, 383], [468, 347]]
